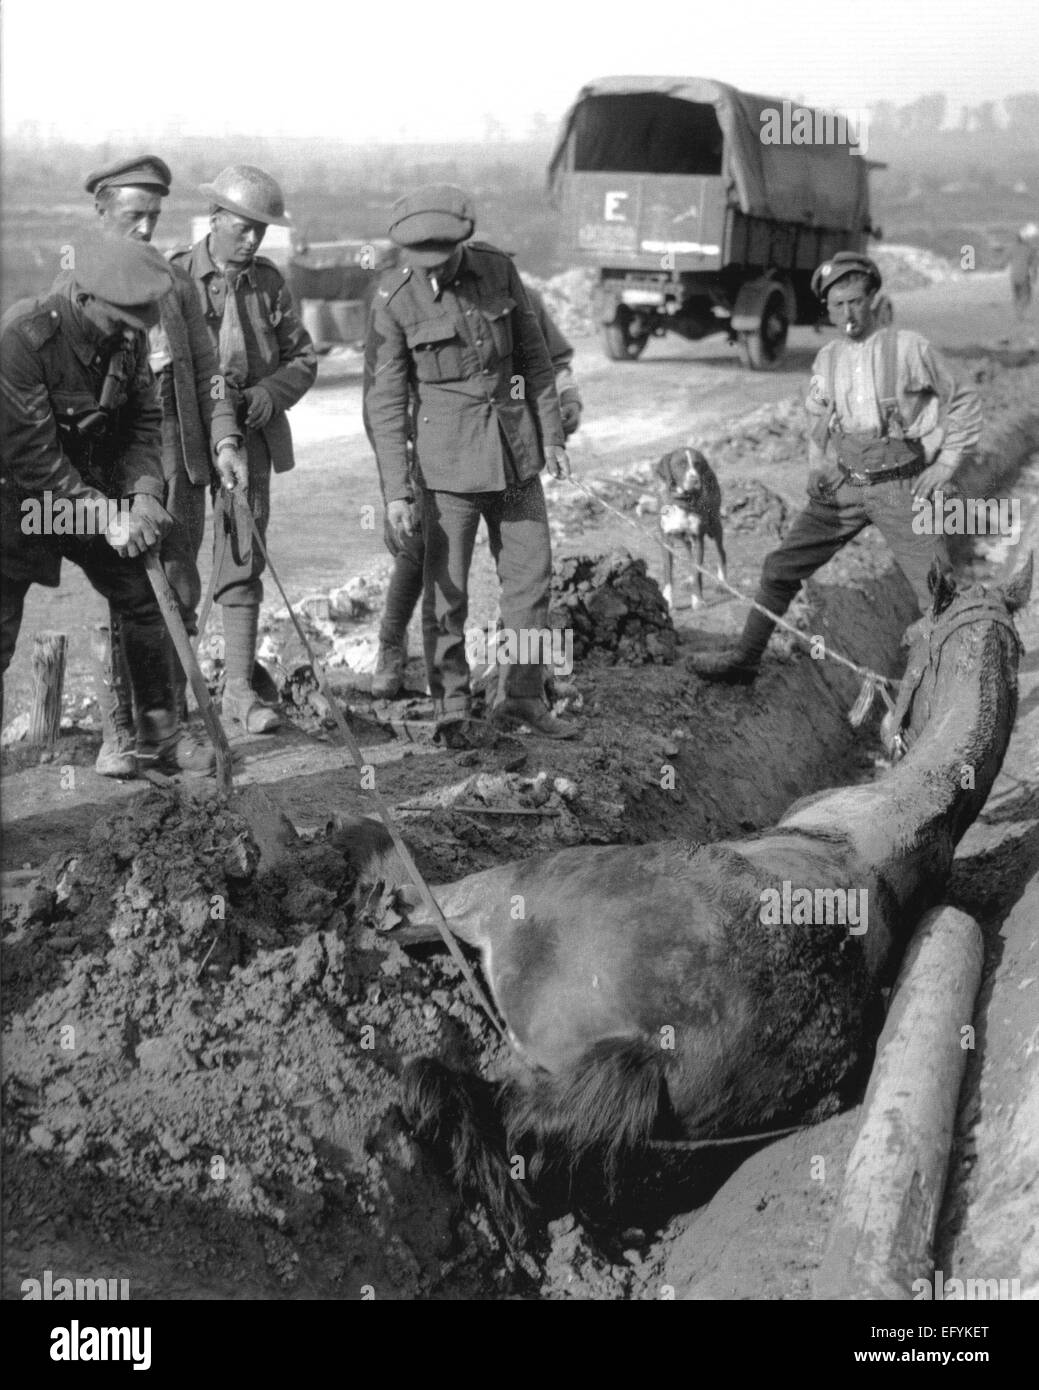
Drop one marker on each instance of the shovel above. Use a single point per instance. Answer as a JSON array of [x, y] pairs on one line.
[[178, 632], [271, 828]]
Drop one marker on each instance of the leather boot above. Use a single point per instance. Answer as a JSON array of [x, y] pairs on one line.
[[112, 684], [511, 712], [738, 665], [163, 746], [389, 669], [241, 705]]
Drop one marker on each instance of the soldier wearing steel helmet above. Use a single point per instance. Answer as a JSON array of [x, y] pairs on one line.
[[266, 356], [81, 428], [888, 424]]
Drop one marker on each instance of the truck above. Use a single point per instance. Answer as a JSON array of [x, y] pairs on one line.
[[698, 219]]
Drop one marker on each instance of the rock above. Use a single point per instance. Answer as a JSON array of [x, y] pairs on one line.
[[41, 1138], [15, 731]]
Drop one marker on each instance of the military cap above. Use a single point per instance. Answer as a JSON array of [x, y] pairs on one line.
[[843, 263], [128, 276], [431, 222], [144, 171]]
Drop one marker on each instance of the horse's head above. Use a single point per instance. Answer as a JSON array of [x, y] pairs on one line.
[[963, 633]]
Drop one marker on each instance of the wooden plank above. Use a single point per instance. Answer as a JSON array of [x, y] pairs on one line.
[[880, 1239], [48, 676]]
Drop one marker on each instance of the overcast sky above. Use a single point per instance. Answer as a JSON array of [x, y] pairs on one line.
[[398, 70]]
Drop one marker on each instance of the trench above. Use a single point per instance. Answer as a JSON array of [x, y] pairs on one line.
[[226, 1121]]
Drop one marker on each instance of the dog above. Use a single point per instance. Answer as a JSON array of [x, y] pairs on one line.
[[691, 509]]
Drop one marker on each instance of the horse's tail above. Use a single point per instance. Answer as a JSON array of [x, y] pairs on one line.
[[459, 1116], [607, 1105]]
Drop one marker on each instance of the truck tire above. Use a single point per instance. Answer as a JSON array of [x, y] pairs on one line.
[[762, 348], [618, 340]]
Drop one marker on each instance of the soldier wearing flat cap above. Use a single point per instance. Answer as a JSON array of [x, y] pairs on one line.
[[456, 364], [405, 586], [201, 440], [80, 454], [266, 355], [888, 423]]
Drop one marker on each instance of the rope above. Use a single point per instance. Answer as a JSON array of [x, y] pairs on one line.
[[873, 681], [383, 809], [721, 1143]]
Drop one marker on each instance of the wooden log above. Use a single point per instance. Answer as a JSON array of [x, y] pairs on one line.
[[880, 1239], [48, 676]]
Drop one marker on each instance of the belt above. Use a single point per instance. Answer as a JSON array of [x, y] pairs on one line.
[[882, 475]]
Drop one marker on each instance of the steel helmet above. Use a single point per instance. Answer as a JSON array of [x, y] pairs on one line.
[[843, 263], [248, 191]]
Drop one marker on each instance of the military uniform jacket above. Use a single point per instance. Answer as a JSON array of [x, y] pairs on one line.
[[202, 414], [52, 368], [467, 371], [280, 352]]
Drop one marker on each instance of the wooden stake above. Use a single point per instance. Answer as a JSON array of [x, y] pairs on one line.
[[48, 674], [880, 1239]]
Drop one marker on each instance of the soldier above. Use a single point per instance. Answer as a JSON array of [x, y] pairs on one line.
[[267, 356], [1024, 263], [82, 471], [198, 423], [455, 361], [888, 424], [405, 587]]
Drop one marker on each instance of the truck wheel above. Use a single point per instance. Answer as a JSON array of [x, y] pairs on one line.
[[621, 345], [762, 349]]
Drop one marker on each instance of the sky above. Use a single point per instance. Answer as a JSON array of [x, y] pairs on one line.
[[397, 70]]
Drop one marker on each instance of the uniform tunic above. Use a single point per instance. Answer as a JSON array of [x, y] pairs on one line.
[[462, 369], [53, 363], [281, 357]]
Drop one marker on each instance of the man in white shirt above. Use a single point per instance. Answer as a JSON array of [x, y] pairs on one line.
[[888, 424]]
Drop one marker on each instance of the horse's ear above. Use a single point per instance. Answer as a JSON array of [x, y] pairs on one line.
[[942, 587], [1016, 591]]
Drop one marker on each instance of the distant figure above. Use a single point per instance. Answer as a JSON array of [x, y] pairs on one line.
[[1024, 264]]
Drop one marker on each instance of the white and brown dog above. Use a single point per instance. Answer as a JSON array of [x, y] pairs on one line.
[[690, 510]]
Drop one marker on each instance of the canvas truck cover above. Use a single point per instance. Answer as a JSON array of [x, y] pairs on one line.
[[629, 124]]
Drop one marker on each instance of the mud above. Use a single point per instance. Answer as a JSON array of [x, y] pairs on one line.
[[202, 1052]]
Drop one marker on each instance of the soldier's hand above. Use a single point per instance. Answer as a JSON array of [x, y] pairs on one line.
[[559, 461], [570, 410], [232, 464], [259, 406], [144, 528], [401, 516], [937, 475]]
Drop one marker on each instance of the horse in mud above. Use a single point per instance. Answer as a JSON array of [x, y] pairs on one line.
[[695, 991]]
